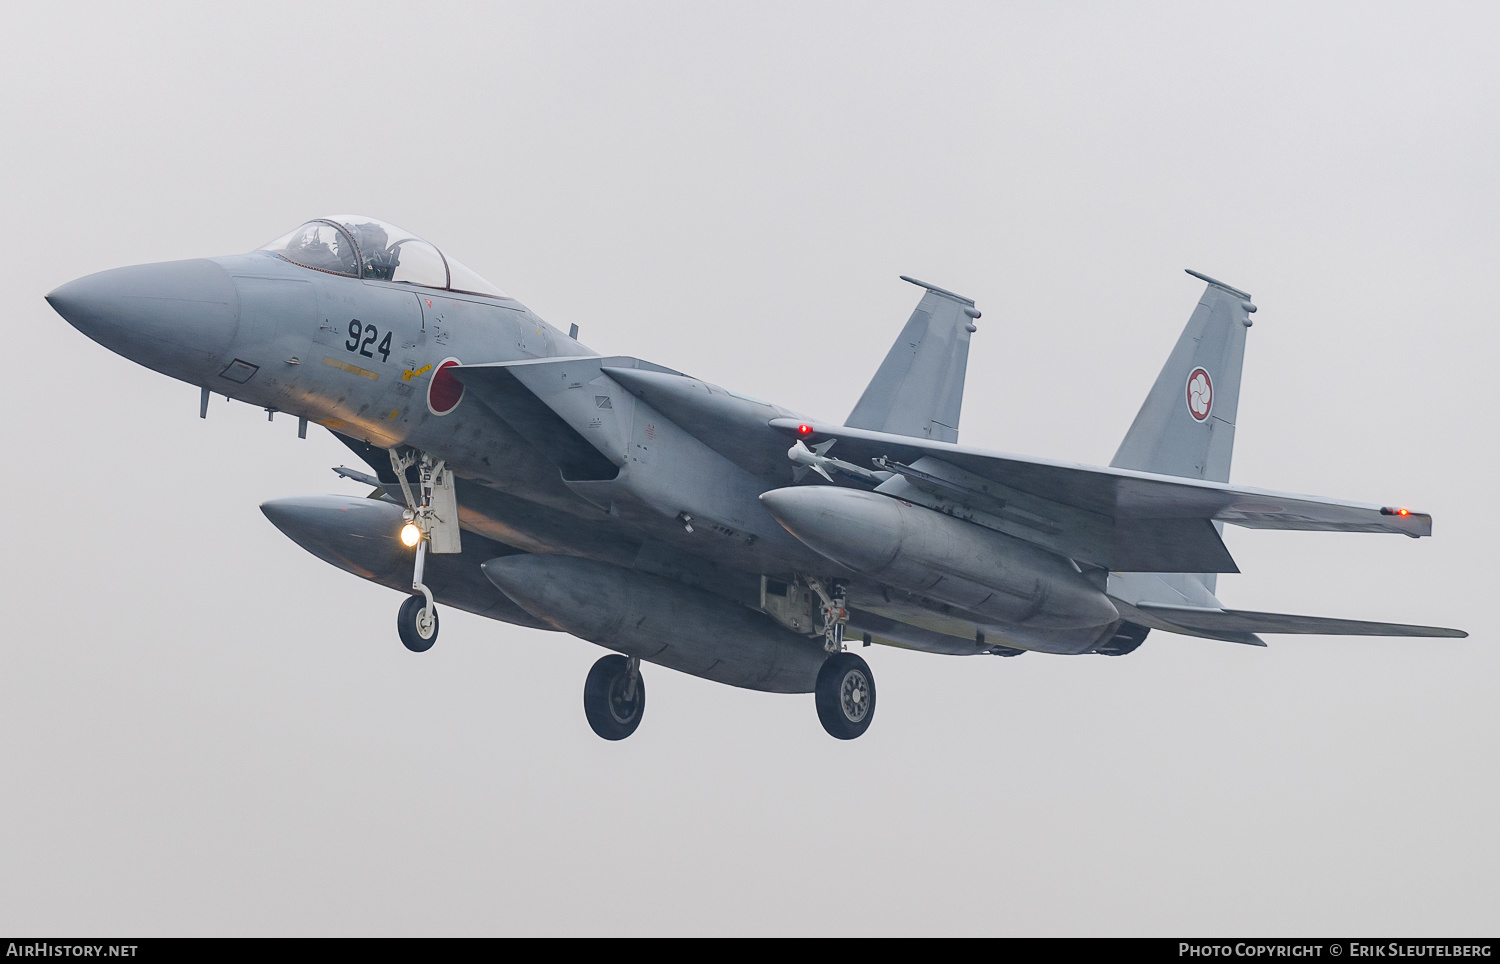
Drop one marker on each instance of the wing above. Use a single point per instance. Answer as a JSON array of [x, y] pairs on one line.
[[1114, 518], [1126, 494]]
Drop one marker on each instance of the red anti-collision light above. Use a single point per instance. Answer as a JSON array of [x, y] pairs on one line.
[[804, 429]]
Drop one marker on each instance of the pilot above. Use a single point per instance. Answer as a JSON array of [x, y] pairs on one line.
[[380, 259], [348, 259]]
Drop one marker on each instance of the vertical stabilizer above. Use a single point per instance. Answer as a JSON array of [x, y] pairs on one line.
[[919, 388], [1186, 426]]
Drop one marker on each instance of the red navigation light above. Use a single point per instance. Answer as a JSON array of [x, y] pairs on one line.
[[1388, 510], [1402, 512], [804, 429]]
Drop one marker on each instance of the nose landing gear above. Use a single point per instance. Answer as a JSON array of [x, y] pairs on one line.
[[431, 518]]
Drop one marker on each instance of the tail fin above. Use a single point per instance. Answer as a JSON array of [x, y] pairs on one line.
[[1186, 426], [919, 388]]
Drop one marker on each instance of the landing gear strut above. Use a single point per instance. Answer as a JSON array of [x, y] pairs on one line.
[[845, 690], [835, 612], [614, 696], [431, 517]]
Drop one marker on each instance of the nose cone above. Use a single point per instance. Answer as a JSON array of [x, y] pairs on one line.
[[177, 317], [861, 530]]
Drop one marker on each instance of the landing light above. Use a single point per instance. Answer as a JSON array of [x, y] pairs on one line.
[[410, 535]]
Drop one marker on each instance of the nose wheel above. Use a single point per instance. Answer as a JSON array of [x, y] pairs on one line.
[[417, 624], [614, 697], [845, 694]]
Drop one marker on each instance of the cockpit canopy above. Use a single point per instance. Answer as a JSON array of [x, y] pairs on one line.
[[361, 247]]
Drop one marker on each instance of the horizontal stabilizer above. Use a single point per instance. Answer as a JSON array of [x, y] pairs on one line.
[[1199, 620]]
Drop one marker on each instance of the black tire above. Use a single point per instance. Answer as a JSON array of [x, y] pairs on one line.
[[610, 715], [845, 696], [406, 625]]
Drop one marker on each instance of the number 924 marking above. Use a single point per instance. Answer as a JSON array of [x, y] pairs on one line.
[[362, 336]]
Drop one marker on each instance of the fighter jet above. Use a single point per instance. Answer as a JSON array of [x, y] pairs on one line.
[[519, 475]]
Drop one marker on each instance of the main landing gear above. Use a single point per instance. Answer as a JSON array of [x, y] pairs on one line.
[[614, 696], [845, 689], [431, 518]]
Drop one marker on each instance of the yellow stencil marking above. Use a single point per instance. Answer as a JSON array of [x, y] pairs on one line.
[[351, 369], [393, 414], [407, 376]]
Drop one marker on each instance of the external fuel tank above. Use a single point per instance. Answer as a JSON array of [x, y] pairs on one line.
[[661, 621], [946, 559]]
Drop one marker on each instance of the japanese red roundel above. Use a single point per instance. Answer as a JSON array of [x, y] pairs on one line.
[[445, 391], [1200, 394]]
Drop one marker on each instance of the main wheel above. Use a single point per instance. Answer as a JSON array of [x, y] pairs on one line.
[[417, 633], [845, 696], [611, 714]]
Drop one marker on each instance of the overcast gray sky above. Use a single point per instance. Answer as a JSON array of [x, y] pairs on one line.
[[205, 730]]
